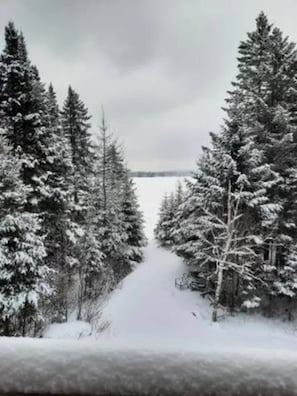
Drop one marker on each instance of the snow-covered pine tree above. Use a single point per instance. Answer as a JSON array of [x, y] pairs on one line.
[[179, 194], [177, 202], [158, 231], [56, 210], [267, 81], [76, 126], [26, 120], [83, 247], [23, 114], [109, 173], [119, 222], [23, 273], [165, 226], [94, 277], [133, 223]]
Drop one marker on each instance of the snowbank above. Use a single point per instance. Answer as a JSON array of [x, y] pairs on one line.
[[53, 367]]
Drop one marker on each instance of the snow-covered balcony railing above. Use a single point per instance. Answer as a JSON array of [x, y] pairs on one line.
[[84, 368]]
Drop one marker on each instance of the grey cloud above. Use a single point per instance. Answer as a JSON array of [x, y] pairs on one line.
[[161, 68]]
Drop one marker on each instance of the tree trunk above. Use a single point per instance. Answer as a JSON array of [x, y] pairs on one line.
[[25, 319], [65, 278], [218, 292], [80, 294], [7, 327]]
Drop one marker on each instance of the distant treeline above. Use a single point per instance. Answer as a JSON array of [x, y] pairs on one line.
[[161, 174]]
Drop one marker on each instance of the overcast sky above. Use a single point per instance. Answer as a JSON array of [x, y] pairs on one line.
[[160, 67]]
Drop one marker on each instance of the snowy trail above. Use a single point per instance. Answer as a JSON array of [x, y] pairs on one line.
[[149, 306], [148, 310]]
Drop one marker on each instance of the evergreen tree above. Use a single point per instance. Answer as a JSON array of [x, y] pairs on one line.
[[57, 208], [133, 223], [164, 228], [82, 247], [267, 80], [23, 274], [119, 222], [93, 274], [23, 114], [109, 174], [75, 123]]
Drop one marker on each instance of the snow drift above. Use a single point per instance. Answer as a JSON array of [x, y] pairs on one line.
[[55, 367]]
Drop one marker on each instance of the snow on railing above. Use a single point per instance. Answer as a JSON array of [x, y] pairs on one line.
[[49, 367]]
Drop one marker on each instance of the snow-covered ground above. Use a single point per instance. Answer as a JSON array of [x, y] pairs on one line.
[[147, 308], [72, 330]]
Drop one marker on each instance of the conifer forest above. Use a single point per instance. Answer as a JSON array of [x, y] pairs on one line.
[[70, 226], [72, 230], [235, 224]]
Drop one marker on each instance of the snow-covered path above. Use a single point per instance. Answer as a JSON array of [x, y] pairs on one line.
[[148, 310], [148, 306]]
